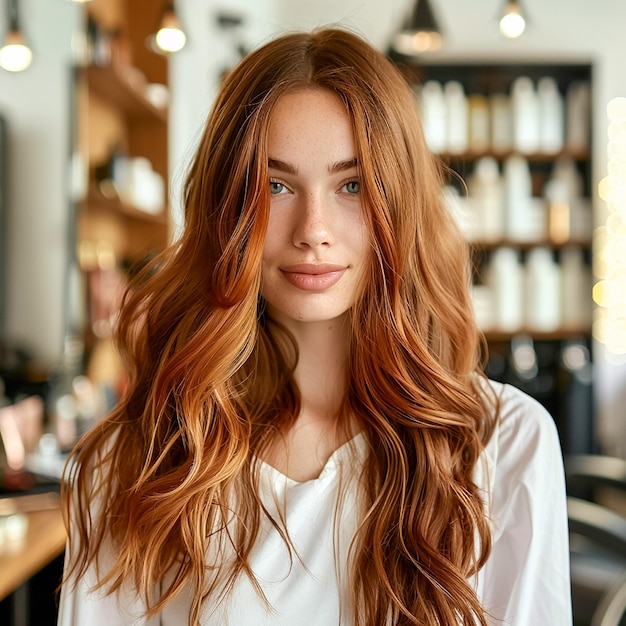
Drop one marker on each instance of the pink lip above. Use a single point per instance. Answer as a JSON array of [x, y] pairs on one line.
[[313, 277]]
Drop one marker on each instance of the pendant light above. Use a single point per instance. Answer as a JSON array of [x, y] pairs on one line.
[[420, 33], [512, 22], [15, 55], [170, 36]]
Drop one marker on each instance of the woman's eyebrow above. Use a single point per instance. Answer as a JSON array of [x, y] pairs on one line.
[[342, 166], [339, 166], [281, 166]]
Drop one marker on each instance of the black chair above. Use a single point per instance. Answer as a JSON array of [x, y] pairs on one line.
[[590, 472], [597, 540], [612, 607]]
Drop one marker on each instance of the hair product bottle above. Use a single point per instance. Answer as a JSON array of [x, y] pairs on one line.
[[501, 123], [543, 291], [506, 277], [487, 193], [525, 116], [434, 116], [551, 116], [457, 117], [525, 218]]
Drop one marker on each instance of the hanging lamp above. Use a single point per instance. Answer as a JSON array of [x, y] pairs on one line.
[[170, 37], [512, 21], [15, 55], [420, 32]]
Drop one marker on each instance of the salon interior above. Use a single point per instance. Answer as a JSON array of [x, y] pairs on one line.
[[101, 104]]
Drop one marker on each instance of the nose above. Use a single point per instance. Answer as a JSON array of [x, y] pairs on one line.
[[313, 226]]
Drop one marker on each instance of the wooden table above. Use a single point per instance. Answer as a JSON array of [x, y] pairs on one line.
[[44, 540]]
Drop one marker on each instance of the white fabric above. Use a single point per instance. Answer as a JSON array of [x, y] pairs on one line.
[[524, 583]]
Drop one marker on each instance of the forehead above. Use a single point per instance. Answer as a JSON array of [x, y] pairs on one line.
[[311, 119]]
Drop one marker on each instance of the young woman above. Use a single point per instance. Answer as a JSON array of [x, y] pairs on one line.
[[307, 437]]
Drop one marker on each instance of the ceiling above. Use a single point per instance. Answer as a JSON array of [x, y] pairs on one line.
[[472, 25]]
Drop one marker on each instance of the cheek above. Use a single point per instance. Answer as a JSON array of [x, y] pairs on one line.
[[273, 238], [362, 240]]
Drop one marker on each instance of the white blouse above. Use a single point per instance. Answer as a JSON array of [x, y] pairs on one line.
[[525, 582]]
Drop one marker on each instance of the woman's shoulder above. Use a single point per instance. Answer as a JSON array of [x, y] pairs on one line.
[[520, 417], [524, 442]]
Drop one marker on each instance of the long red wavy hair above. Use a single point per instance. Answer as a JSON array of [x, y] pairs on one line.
[[210, 376]]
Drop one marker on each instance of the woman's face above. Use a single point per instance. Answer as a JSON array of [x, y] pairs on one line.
[[317, 244]]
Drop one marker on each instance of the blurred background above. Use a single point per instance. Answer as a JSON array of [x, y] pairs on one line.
[[101, 106]]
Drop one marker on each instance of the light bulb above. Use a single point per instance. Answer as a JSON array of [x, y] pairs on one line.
[[15, 55], [170, 39], [423, 41], [512, 23]]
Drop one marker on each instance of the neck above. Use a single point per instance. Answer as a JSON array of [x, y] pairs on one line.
[[322, 367], [321, 375]]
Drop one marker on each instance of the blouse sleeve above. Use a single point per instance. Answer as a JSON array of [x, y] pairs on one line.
[[527, 578], [80, 604]]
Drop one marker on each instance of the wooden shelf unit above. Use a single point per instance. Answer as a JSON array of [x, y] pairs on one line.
[[529, 245], [557, 335], [114, 113], [554, 367], [486, 79], [125, 90]]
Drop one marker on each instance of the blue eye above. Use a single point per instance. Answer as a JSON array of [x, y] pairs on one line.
[[276, 188], [352, 187]]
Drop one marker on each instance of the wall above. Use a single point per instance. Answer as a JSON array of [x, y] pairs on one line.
[[36, 104], [208, 52]]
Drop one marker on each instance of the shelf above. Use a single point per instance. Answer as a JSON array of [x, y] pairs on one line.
[[118, 87], [537, 157], [529, 245], [97, 201], [557, 335]]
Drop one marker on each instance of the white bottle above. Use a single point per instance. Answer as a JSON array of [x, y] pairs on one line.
[[525, 216], [434, 116], [479, 134], [565, 169], [506, 279], [462, 210], [556, 193], [486, 189], [577, 116], [457, 117], [501, 123], [484, 310], [566, 174], [551, 116], [543, 291], [525, 105]]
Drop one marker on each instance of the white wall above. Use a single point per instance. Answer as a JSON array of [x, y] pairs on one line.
[[36, 105], [194, 73]]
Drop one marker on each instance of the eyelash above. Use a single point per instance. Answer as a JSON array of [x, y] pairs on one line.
[[348, 182]]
